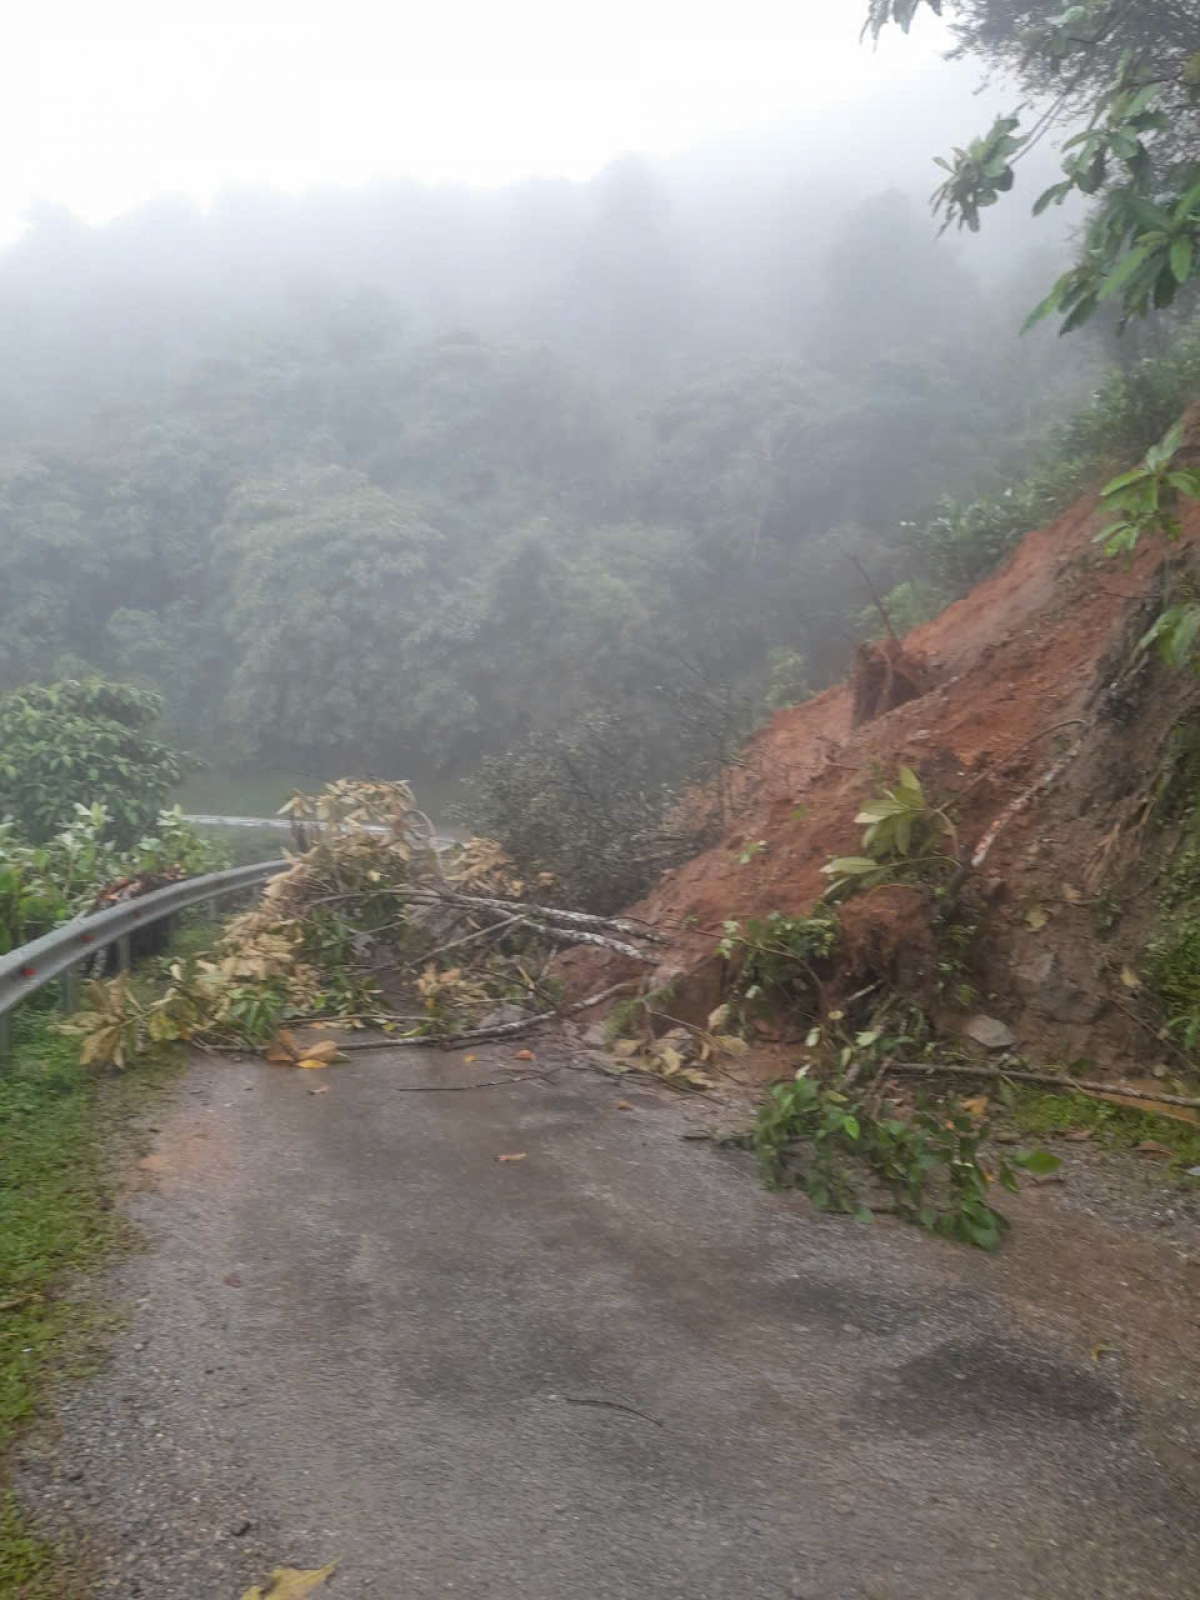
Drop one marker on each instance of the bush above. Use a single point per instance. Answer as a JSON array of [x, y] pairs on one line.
[[584, 806], [963, 542], [43, 885], [83, 742]]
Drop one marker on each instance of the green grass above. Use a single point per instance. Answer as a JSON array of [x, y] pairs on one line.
[[62, 1132], [1115, 1127], [27, 1564]]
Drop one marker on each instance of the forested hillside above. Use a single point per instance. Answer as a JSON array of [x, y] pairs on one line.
[[470, 464]]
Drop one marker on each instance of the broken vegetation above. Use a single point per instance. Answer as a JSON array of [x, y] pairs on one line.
[[370, 926]]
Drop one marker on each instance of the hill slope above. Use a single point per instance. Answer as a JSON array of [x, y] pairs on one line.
[[1069, 759]]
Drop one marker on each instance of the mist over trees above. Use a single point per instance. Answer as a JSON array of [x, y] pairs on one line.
[[392, 478]]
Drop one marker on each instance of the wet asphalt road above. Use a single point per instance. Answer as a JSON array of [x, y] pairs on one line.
[[615, 1369]]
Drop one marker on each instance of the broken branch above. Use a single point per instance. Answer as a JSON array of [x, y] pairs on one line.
[[1048, 1080]]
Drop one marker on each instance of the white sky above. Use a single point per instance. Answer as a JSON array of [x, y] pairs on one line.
[[107, 103]]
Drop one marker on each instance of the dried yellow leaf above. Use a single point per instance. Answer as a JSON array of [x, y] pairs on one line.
[[1036, 918], [290, 1583], [730, 1045], [1130, 978], [626, 1047], [324, 1051]]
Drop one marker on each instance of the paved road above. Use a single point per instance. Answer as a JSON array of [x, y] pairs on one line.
[[361, 1333]]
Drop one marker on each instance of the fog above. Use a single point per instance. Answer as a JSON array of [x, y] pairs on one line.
[[436, 410]]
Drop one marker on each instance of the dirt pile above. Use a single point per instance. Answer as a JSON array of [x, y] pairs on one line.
[[1026, 706]]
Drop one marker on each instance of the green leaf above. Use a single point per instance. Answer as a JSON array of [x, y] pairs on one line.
[[1039, 1163], [1181, 259], [1054, 195], [1124, 271], [1084, 309], [850, 866]]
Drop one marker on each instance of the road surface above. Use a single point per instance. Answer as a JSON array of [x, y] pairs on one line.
[[614, 1369]]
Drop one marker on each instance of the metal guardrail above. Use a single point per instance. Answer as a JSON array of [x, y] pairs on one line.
[[56, 954]]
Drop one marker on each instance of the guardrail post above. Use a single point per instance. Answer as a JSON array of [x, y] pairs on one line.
[[5, 1036], [124, 959]]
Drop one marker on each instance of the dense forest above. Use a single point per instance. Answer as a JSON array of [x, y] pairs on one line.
[[394, 478]]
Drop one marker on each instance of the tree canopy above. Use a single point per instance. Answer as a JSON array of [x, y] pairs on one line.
[[1122, 79]]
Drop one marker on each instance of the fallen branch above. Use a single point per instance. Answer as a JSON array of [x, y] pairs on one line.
[[569, 919], [583, 936], [417, 895], [1048, 1080], [467, 938], [461, 1088], [448, 1041], [505, 1030]]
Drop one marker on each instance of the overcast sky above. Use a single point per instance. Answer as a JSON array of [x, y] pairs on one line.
[[106, 103]]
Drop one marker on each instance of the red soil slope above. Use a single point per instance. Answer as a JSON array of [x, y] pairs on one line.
[[1035, 661]]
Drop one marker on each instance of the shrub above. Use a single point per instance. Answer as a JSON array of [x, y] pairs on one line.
[[585, 807], [83, 742]]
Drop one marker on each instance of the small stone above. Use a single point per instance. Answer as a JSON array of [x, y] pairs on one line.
[[240, 1527], [75, 1475], [989, 1032]]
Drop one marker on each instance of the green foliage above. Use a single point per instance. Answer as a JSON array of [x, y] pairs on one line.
[[43, 885], [584, 808], [788, 682], [334, 542], [908, 605], [775, 956], [60, 1133], [56, 1215], [1129, 412], [826, 1143], [1172, 963], [1116, 1127], [1146, 499], [903, 838], [978, 175], [1135, 156], [83, 742], [26, 1561]]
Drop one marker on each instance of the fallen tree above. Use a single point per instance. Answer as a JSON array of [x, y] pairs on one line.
[[372, 925]]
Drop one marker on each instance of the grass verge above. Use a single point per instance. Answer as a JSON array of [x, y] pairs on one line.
[[62, 1135], [1116, 1127]]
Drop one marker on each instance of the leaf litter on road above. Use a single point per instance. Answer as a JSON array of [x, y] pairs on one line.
[[290, 1583], [286, 1050]]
